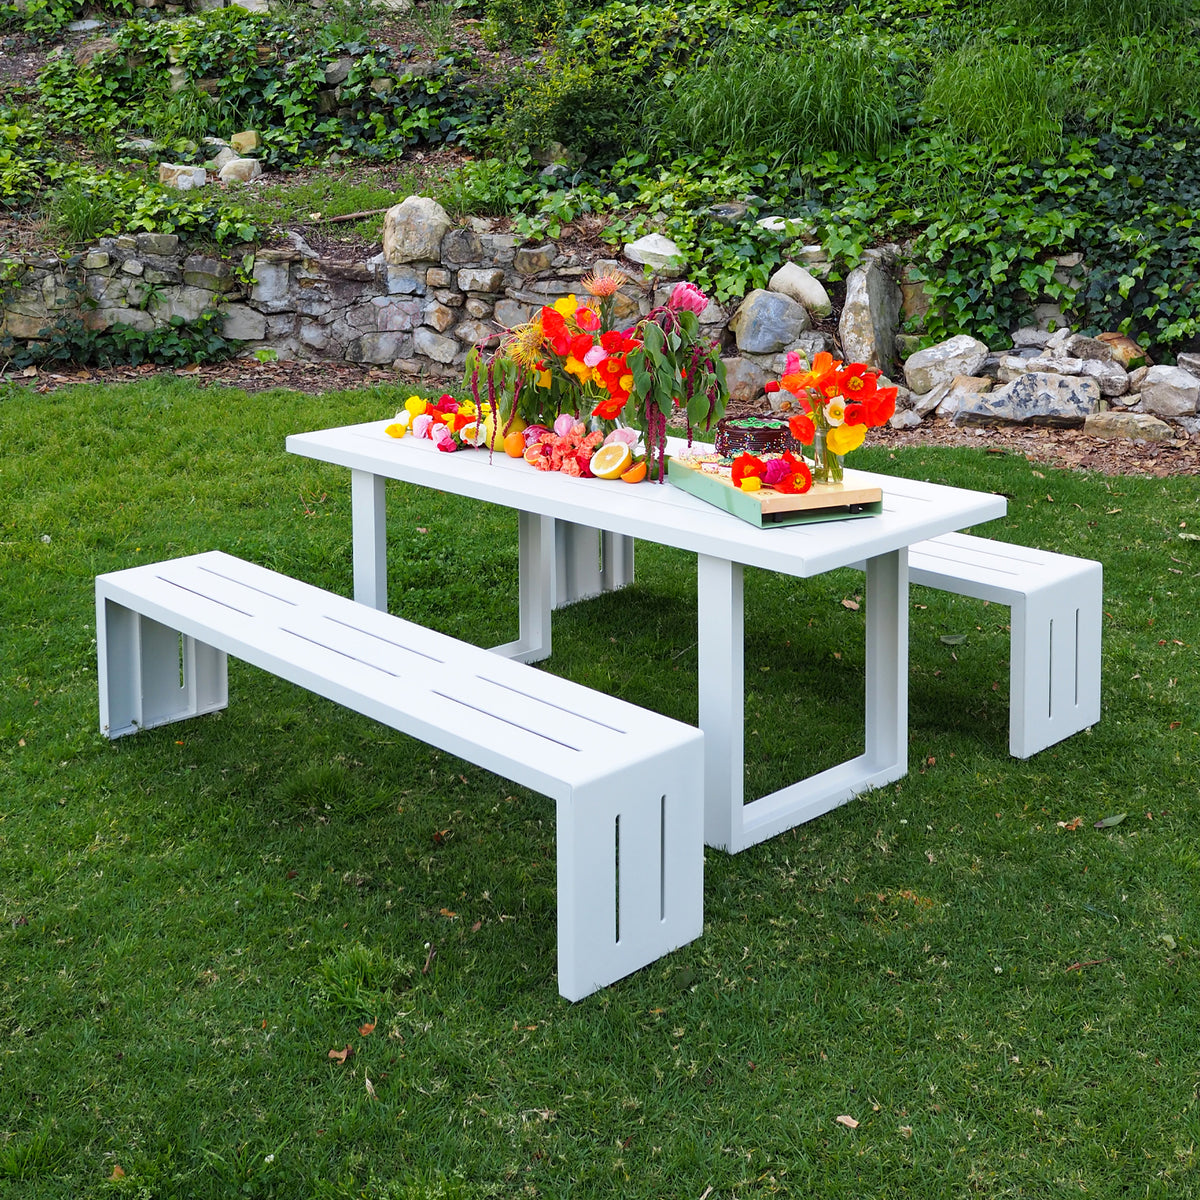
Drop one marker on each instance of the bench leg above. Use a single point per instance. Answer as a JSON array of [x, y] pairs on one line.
[[150, 674], [630, 870], [1054, 686]]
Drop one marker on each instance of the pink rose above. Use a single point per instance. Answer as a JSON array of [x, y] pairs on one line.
[[689, 297]]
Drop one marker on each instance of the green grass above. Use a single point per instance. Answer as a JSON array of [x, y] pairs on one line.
[[192, 918]]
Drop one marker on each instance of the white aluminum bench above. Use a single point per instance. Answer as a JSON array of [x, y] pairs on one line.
[[627, 783], [1054, 686]]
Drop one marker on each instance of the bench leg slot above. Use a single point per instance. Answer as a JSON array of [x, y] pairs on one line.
[[151, 674]]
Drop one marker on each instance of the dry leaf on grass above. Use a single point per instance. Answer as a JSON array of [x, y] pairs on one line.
[[849, 1122], [340, 1056], [117, 1172], [1074, 823], [367, 1029], [370, 1088]]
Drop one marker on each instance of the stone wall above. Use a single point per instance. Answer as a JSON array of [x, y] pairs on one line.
[[436, 289]]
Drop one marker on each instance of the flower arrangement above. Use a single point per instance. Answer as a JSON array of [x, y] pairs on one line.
[[570, 359], [787, 473], [840, 402]]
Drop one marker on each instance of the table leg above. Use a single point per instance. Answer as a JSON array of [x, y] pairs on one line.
[[588, 562], [730, 823], [536, 565], [369, 521], [721, 650]]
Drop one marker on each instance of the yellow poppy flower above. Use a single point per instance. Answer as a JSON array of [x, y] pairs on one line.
[[543, 379], [751, 483], [845, 438], [395, 429], [415, 405], [566, 305]]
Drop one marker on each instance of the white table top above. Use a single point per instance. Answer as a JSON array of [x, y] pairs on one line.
[[912, 511]]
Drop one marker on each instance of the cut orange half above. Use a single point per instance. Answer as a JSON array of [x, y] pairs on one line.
[[636, 473], [611, 461]]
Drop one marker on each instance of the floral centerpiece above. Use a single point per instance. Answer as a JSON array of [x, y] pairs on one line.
[[840, 402], [570, 360]]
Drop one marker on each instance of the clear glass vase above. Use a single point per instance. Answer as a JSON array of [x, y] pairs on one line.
[[826, 466]]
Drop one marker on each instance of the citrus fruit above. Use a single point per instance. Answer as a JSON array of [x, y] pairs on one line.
[[514, 444], [636, 473], [497, 433], [611, 461], [534, 454]]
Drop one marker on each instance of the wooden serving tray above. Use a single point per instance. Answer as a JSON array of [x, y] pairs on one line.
[[766, 507]]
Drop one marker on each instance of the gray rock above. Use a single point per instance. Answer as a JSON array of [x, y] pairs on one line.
[[1081, 346], [338, 71], [793, 280], [728, 214], [1127, 425], [1170, 392], [391, 314], [380, 347], [1189, 362], [223, 157], [199, 270], [509, 313], [132, 266], [243, 324], [437, 277], [1055, 364], [85, 26], [870, 316], [433, 345], [1028, 336], [529, 260], [905, 418], [961, 355], [471, 333], [654, 251], [404, 281], [185, 302], [1137, 377], [106, 318], [480, 279], [789, 226], [1111, 375], [245, 141], [767, 322], [157, 243], [461, 247], [96, 260], [744, 378], [271, 285], [1035, 399], [923, 403], [413, 231], [478, 308]]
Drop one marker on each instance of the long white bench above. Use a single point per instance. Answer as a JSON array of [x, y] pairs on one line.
[[627, 783], [1056, 600]]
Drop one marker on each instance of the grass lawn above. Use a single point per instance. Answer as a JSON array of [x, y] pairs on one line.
[[1005, 1000]]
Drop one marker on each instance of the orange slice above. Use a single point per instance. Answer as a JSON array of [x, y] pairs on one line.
[[636, 473], [611, 461]]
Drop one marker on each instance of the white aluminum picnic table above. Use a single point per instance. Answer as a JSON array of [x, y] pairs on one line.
[[913, 511]]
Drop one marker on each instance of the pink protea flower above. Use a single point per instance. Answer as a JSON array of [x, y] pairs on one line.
[[688, 297]]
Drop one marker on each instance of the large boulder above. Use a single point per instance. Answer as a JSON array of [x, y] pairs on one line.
[[1127, 425], [413, 231], [767, 322], [871, 317], [654, 251], [1033, 399], [935, 365], [1170, 392]]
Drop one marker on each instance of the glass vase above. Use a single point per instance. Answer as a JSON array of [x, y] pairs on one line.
[[826, 466]]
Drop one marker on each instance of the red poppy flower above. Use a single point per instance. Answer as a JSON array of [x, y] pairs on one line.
[[856, 414], [745, 465], [802, 428]]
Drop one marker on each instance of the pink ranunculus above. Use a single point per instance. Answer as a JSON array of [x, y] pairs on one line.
[[595, 356], [777, 469], [630, 437], [689, 297], [443, 439], [421, 424], [563, 424]]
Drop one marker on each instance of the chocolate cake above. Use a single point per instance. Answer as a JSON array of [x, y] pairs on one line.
[[760, 436]]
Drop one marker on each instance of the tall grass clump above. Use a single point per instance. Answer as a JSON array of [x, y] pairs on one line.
[[1091, 17], [840, 96], [1006, 96], [1136, 81], [79, 213]]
